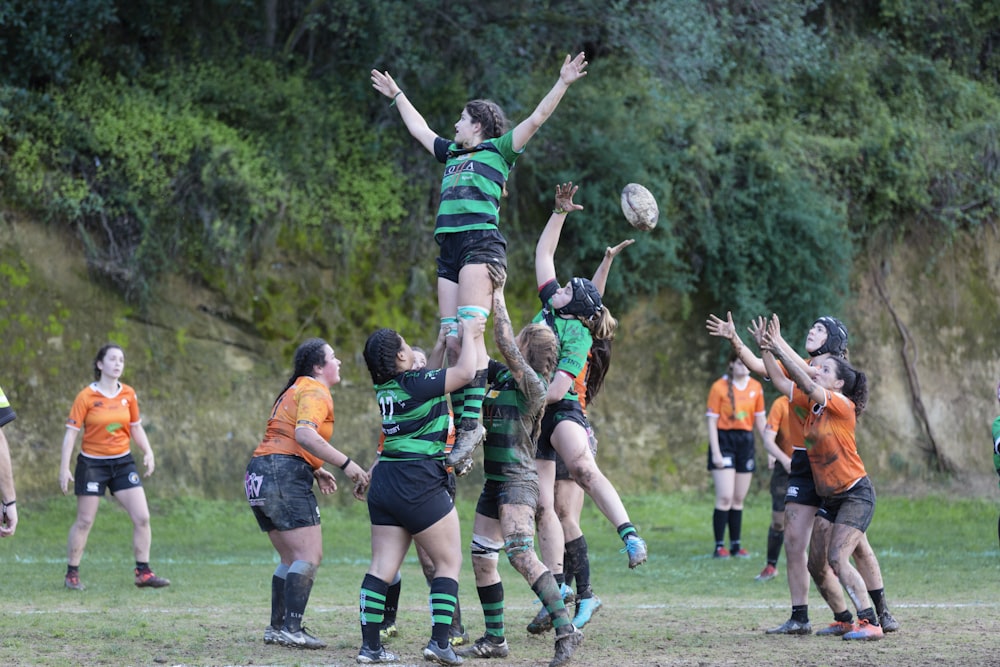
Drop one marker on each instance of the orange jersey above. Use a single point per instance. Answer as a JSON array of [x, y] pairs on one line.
[[306, 403], [788, 423], [830, 442], [106, 421], [738, 413], [580, 385]]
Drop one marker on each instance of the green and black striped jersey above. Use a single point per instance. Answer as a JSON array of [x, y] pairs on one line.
[[511, 414], [473, 183], [414, 415]]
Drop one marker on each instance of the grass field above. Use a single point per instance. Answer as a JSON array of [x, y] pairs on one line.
[[940, 561]]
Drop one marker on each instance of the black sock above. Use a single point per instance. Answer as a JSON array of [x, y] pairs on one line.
[[549, 592], [843, 616], [142, 567], [456, 621], [868, 615], [72, 569], [569, 565], [625, 530], [719, 520], [800, 613], [277, 601], [775, 538], [735, 528], [298, 586], [444, 597], [472, 403], [392, 601], [373, 594], [491, 597], [580, 558], [878, 601]]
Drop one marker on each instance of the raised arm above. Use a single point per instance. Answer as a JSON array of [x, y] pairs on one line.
[[545, 249], [572, 70], [600, 278], [503, 330], [726, 329], [436, 358], [798, 372], [415, 123], [461, 374]]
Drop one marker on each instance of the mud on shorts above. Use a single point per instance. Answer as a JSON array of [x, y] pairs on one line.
[[556, 413], [476, 246], [510, 492], [854, 507], [93, 476], [737, 450], [562, 471], [279, 488], [801, 485], [411, 494]]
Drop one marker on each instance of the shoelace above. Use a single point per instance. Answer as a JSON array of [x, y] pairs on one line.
[[627, 549]]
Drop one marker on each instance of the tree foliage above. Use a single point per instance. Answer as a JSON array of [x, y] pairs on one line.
[[229, 137]]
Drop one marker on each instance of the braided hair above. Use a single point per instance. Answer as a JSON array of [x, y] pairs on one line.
[[380, 354], [489, 115], [101, 353], [733, 358], [308, 355], [855, 384]]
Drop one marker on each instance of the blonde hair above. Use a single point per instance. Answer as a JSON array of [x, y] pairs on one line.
[[540, 348]]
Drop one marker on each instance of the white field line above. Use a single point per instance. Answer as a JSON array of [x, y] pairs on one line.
[[352, 608]]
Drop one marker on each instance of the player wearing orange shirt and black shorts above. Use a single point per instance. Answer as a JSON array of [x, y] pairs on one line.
[[279, 480], [107, 411], [778, 441], [835, 398], [735, 409]]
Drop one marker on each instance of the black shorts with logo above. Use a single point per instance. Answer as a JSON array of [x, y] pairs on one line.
[[93, 476], [801, 485], [279, 488], [737, 450]]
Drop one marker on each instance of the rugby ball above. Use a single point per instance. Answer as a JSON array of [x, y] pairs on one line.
[[639, 207]]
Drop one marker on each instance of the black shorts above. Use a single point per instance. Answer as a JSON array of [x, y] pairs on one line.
[[497, 493], [801, 485], [562, 472], [279, 490], [554, 414], [737, 450], [854, 507], [779, 487], [477, 246], [411, 494], [93, 476]]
